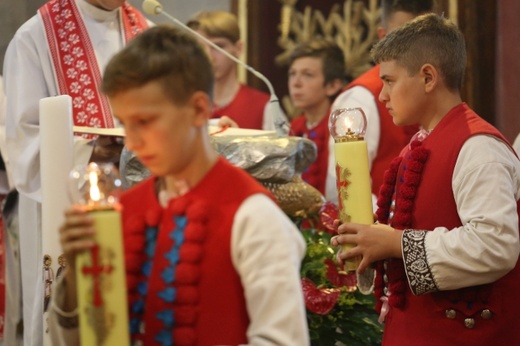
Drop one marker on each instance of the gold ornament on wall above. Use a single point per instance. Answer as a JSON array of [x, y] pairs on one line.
[[352, 25]]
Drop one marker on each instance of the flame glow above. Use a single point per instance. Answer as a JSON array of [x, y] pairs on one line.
[[95, 194], [348, 123]]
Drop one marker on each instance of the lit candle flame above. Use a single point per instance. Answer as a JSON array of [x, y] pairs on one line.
[[348, 124], [95, 194]]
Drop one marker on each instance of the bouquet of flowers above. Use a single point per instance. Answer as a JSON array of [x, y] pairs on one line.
[[337, 313]]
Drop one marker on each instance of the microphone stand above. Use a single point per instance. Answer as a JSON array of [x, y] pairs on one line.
[[153, 7]]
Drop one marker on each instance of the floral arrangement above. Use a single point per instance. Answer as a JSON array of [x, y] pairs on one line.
[[337, 313]]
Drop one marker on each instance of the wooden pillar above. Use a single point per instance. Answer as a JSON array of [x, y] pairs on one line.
[[477, 20], [507, 89]]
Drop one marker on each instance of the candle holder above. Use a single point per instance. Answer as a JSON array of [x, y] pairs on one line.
[[348, 126], [100, 272]]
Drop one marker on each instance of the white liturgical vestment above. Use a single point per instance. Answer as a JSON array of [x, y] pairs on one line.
[[29, 77]]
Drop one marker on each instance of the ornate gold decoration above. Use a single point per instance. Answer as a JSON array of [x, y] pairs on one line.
[[296, 198], [353, 26]]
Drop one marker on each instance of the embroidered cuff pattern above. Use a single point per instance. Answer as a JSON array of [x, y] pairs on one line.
[[416, 265]]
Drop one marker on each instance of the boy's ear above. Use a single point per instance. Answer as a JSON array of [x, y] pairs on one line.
[[430, 77], [381, 33], [333, 87], [202, 107], [239, 46]]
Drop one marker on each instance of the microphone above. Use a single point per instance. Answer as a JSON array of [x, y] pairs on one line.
[[154, 7]]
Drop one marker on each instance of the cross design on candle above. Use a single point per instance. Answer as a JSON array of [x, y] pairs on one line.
[[96, 269], [342, 184]]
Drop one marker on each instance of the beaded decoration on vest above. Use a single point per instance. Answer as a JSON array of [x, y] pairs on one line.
[[175, 322], [404, 187]]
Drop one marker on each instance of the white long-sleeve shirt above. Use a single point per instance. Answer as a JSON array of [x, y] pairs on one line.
[[486, 187]]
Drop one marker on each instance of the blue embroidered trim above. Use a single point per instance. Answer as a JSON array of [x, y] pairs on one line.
[[142, 288], [169, 293]]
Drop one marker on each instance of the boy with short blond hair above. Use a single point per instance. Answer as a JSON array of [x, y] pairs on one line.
[[245, 105]]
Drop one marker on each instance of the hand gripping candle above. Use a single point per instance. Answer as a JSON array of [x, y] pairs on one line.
[[347, 126], [100, 272]]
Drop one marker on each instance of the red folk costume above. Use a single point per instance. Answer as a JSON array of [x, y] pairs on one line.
[[247, 108], [392, 137], [74, 60], [181, 281], [316, 174], [421, 182]]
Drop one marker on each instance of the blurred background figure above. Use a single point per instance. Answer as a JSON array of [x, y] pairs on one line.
[[316, 76], [241, 103], [9, 240]]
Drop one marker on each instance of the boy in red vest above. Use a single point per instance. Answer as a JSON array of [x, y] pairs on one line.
[[384, 139], [224, 258], [245, 106], [447, 244], [316, 75]]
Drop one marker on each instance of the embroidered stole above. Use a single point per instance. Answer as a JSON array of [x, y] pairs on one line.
[[75, 64]]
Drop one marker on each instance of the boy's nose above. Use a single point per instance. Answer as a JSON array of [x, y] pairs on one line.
[[132, 141], [383, 96], [296, 81]]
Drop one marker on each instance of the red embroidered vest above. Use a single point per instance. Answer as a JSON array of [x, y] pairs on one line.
[[316, 174], [200, 301], [392, 138], [423, 319]]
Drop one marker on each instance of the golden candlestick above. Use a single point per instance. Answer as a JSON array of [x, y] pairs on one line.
[[348, 127], [100, 272]]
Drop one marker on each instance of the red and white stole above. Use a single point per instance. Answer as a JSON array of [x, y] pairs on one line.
[[75, 64]]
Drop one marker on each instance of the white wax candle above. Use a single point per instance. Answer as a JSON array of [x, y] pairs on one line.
[[56, 162]]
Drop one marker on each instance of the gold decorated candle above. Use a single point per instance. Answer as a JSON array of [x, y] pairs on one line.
[[348, 126], [100, 272]]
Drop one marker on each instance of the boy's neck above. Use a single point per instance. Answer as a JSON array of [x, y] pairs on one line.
[[226, 88], [202, 163], [316, 113], [444, 103]]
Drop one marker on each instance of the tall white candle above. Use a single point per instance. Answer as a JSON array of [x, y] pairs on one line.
[[56, 162]]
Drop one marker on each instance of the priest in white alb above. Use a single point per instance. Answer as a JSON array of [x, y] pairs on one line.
[[62, 50]]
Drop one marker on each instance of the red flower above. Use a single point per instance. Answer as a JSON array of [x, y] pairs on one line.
[[319, 300], [340, 278], [328, 213]]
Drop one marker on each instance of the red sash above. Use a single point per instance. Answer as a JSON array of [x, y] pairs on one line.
[[75, 64]]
